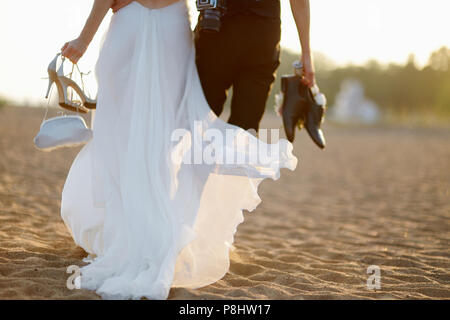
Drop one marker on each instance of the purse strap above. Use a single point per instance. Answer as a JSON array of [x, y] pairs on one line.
[[47, 106]]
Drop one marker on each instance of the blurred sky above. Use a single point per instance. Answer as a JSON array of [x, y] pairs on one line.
[[348, 31]]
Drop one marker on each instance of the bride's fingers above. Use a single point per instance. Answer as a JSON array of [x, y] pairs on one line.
[[67, 52], [72, 54], [64, 46], [74, 58], [77, 58], [309, 79]]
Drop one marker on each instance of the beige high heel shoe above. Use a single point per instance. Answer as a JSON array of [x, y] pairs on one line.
[[63, 83]]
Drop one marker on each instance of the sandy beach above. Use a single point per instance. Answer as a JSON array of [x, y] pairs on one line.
[[376, 196]]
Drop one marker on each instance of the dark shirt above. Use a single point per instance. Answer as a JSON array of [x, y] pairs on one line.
[[264, 8]]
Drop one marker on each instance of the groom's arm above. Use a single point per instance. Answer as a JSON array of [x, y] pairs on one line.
[[119, 4], [301, 13]]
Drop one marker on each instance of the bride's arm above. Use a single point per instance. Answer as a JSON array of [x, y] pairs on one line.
[[75, 49]]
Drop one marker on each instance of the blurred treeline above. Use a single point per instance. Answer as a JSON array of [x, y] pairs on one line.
[[398, 89], [3, 102]]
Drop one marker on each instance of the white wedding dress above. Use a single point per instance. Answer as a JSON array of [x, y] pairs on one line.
[[149, 219]]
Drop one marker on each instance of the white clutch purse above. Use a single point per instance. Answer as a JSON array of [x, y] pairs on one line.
[[64, 131]]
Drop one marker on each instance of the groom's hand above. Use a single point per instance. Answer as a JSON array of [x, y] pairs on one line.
[[309, 77], [119, 4]]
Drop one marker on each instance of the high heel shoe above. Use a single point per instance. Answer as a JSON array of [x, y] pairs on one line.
[[62, 83], [68, 82]]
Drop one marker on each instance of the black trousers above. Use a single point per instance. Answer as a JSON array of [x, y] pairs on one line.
[[244, 55]]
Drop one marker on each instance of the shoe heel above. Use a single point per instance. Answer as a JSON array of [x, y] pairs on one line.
[[50, 82], [51, 69]]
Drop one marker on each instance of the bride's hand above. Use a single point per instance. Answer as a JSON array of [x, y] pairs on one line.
[[74, 50]]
